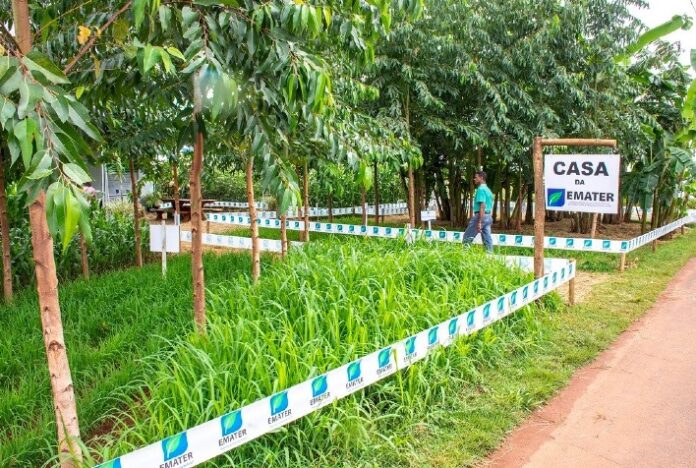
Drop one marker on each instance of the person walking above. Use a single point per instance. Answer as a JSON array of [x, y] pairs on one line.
[[482, 220]]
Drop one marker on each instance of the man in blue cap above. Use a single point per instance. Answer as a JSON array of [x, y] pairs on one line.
[[482, 220]]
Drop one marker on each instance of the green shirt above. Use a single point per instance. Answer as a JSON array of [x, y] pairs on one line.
[[483, 195]]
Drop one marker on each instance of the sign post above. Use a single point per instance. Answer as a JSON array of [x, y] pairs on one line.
[[581, 185], [164, 249]]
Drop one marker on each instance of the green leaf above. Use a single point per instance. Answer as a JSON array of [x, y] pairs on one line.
[[151, 56], [10, 81], [7, 110], [167, 62], [693, 59], [43, 166], [139, 11], [77, 114], [36, 61], [165, 17], [72, 217], [26, 131], [76, 173], [174, 52]]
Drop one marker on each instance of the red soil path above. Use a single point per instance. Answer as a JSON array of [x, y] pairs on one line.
[[635, 406]]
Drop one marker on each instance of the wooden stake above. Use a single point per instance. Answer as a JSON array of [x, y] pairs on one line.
[[571, 292], [593, 230], [622, 263], [5, 231], [654, 245], [539, 209]]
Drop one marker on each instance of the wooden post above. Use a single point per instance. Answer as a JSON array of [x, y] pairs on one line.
[[654, 246], [5, 231], [622, 263], [593, 230], [571, 292], [540, 196], [539, 209]]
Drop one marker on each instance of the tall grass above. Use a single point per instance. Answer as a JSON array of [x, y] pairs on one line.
[[328, 304], [111, 322]]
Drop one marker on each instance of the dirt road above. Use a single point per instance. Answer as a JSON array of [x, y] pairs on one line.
[[635, 406]]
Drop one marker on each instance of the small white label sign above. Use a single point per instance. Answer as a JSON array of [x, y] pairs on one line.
[[156, 233], [587, 183], [429, 215]]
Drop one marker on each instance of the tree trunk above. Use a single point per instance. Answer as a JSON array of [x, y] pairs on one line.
[[363, 201], [58, 366], [136, 215], [518, 208], [331, 207], [375, 175], [175, 175], [529, 215], [47, 287], [83, 257], [506, 217], [411, 198], [305, 195], [495, 206], [283, 236], [445, 210], [255, 249], [593, 229], [196, 217], [5, 232]]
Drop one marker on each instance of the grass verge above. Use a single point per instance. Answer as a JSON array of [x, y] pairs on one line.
[[503, 395]]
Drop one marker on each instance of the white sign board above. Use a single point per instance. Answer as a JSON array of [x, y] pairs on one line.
[[428, 215], [172, 239], [587, 183]]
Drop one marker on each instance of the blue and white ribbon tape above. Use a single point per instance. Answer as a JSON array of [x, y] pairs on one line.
[[503, 240], [213, 438], [236, 242]]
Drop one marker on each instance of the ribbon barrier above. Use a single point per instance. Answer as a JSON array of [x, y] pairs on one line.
[[386, 209], [578, 244], [210, 439], [235, 242]]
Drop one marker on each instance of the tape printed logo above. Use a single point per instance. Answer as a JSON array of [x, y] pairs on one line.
[[320, 390], [279, 407], [175, 452], [231, 427], [432, 336], [116, 463], [355, 378]]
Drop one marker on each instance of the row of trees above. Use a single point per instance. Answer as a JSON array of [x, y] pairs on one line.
[[343, 88]]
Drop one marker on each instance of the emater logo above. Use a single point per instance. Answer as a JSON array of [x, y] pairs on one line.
[[555, 197]]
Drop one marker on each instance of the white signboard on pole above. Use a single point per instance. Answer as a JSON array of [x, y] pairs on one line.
[[587, 183], [157, 238]]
